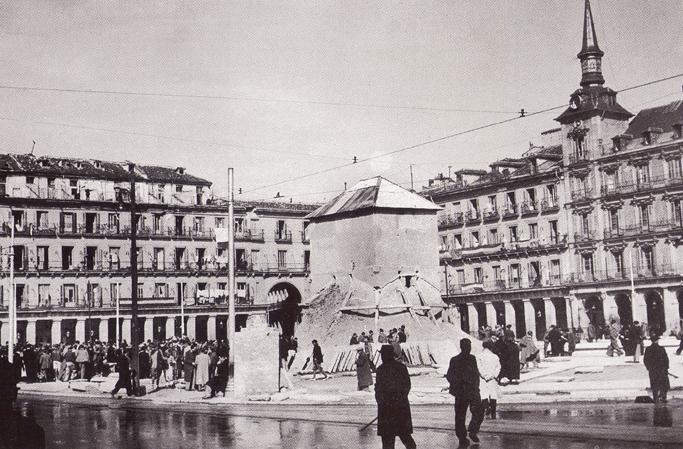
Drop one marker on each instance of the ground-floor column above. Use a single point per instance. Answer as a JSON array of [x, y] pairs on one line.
[[125, 330], [211, 328], [170, 327], [638, 307], [570, 312], [31, 331], [80, 330], [550, 316], [609, 307], [530, 317], [510, 317], [56, 331], [4, 332], [104, 329], [490, 314], [473, 318], [149, 329], [191, 326], [583, 320], [671, 314]]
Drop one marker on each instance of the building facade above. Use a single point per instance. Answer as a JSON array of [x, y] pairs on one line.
[[71, 252], [589, 234]]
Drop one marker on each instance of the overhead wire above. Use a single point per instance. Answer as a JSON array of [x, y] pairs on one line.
[[443, 138]]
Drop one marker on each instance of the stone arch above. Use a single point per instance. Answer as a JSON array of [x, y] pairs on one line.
[[654, 304], [624, 308], [289, 313]]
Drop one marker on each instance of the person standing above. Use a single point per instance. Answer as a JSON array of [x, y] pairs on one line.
[[317, 357], [123, 366], [363, 369], [202, 372], [614, 332], [530, 353], [638, 337], [392, 386], [381, 337], [657, 363], [463, 377], [489, 368]]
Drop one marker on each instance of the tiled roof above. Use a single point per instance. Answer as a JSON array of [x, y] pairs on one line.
[[90, 168], [663, 117], [371, 194]]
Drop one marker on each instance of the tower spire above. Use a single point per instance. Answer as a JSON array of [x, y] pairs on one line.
[[590, 54]]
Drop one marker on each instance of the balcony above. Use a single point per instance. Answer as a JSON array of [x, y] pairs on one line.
[[510, 211], [250, 235], [642, 229], [581, 194], [578, 158], [450, 221], [473, 217], [624, 274], [529, 208], [550, 205], [283, 236], [491, 215], [586, 236]]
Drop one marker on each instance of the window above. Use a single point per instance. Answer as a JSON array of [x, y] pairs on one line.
[[141, 290], [514, 274], [3, 185], [282, 260], [645, 260], [69, 294], [179, 188], [68, 222], [461, 277], [159, 259], [475, 239], [42, 258], [200, 256], [20, 260], [513, 234], [18, 218], [75, 191], [199, 224], [533, 231], [254, 258], [179, 258], [493, 204], [554, 236], [114, 293], [444, 242], [114, 223], [477, 275], [618, 260], [157, 223], [585, 225], [160, 290], [239, 225], [114, 259], [219, 222], [493, 237], [179, 225], [457, 241], [674, 166], [534, 274], [242, 291], [644, 214], [94, 295], [44, 298], [676, 212], [511, 202], [67, 257], [30, 180], [555, 274], [307, 260], [587, 265], [642, 174], [160, 192], [531, 198], [474, 208], [51, 183], [614, 219], [551, 194], [41, 219], [496, 272]]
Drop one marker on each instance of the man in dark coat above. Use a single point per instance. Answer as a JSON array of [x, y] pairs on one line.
[[657, 364], [556, 341], [392, 386], [219, 382], [463, 377], [123, 366]]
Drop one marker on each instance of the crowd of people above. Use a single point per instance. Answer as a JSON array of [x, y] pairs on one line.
[[197, 364]]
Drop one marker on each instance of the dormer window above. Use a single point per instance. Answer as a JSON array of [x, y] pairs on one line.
[[180, 170], [678, 131], [97, 164], [44, 163], [179, 188], [650, 135]]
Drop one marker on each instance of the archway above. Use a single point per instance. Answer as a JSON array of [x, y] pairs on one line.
[[499, 307], [596, 315], [464, 318], [539, 317], [624, 308], [655, 312], [481, 315], [289, 298]]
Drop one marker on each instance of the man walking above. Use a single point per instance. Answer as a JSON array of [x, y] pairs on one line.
[[317, 360], [489, 368], [392, 386], [123, 366], [463, 377], [657, 363]]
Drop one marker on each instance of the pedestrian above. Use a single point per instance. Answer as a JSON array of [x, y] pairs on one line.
[[82, 360], [402, 335], [123, 366], [679, 335], [219, 382], [556, 341], [529, 352], [657, 363], [354, 339], [69, 365], [393, 408], [381, 337], [156, 366], [317, 357], [638, 338], [45, 365], [363, 369], [571, 341], [489, 368], [202, 371], [188, 366], [463, 378], [614, 332]]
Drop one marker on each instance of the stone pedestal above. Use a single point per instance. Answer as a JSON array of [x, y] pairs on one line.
[[257, 368]]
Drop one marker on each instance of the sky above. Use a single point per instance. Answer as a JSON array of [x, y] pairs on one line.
[[281, 89]]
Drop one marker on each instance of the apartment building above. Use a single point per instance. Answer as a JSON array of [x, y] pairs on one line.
[[72, 248], [604, 241]]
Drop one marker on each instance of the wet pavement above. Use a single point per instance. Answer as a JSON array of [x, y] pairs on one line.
[[69, 425]]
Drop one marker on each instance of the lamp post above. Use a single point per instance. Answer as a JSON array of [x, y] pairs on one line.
[[12, 309], [231, 271], [133, 274]]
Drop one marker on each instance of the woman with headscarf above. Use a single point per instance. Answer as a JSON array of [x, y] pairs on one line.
[[529, 351], [363, 369]]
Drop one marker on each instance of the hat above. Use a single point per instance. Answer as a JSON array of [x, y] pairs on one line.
[[387, 349]]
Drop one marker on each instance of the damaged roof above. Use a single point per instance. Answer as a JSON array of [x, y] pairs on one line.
[[372, 194], [663, 117], [91, 168]]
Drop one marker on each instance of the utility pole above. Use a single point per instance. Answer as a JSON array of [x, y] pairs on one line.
[[118, 314], [133, 274], [412, 187], [231, 271], [88, 298], [12, 310]]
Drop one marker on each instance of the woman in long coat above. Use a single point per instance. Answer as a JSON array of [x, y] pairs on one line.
[[392, 386], [202, 371], [363, 369], [529, 352]]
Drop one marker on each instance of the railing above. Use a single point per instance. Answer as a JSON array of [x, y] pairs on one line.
[[510, 211], [283, 236], [642, 228], [585, 236], [451, 220], [472, 216], [550, 204], [529, 208], [491, 215], [581, 194], [252, 235], [64, 194], [577, 158]]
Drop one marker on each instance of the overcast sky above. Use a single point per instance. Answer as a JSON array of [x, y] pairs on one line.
[[492, 55]]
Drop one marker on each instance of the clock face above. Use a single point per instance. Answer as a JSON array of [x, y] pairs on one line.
[[591, 65], [575, 102]]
